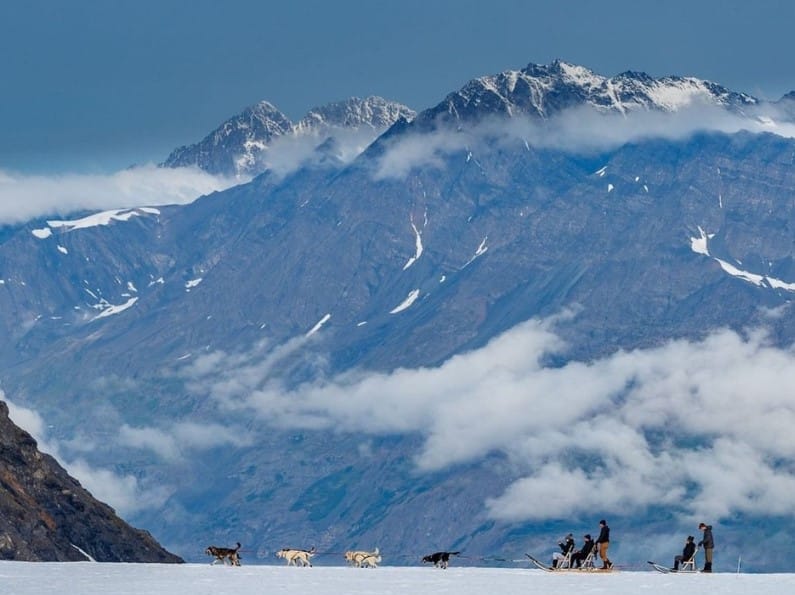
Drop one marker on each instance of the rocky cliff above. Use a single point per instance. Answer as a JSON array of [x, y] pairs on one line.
[[46, 515]]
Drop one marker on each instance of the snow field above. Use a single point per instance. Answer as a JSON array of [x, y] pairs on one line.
[[78, 578]]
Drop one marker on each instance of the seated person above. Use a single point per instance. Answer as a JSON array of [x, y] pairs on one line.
[[566, 546], [687, 553], [580, 555]]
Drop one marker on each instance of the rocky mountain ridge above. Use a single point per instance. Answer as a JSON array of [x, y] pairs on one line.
[[46, 515], [239, 146], [545, 90]]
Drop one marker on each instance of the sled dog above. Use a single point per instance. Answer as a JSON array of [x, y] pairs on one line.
[[359, 558], [371, 559], [224, 554], [439, 559], [296, 557]]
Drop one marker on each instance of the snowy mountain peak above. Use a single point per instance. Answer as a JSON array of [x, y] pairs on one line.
[[264, 115], [575, 74], [543, 90], [373, 112], [245, 134], [240, 145]]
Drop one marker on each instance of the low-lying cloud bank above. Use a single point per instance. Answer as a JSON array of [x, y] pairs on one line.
[[173, 443], [336, 147], [702, 427], [581, 129], [26, 197]]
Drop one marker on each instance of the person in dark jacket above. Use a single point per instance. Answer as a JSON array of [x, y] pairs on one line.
[[580, 555], [603, 542], [566, 547], [687, 552], [708, 543]]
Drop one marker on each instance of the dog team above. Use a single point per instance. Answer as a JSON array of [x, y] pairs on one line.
[[303, 558]]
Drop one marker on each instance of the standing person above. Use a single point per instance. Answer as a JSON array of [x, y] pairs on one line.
[[708, 543], [687, 552], [603, 542]]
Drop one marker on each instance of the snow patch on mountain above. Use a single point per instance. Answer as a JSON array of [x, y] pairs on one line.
[[741, 274], [108, 309], [101, 218], [405, 304], [318, 325], [418, 248], [482, 248], [700, 245], [42, 233]]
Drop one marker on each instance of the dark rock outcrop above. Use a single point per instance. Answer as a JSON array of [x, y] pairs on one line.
[[46, 515]]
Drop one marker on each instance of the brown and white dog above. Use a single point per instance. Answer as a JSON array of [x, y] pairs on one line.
[[439, 559], [224, 554], [296, 557], [361, 558]]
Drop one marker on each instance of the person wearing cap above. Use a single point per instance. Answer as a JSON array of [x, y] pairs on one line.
[[566, 546], [580, 555], [687, 553], [708, 543], [603, 542]]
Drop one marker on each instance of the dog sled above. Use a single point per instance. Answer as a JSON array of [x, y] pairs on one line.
[[565, 564], [687, 567]]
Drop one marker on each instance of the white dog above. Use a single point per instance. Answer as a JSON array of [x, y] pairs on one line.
[[361, 558], [371, 559], [296, 557]]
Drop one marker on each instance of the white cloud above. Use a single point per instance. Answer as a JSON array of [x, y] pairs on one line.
[[288, 153], [703, 426], [123, 492], [25, 418], [25, 197], [173, 443], [580, 129]]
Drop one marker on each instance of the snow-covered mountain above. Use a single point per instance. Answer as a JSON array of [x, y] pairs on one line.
[[444, 342], [239, 147], [233, 146], [544, 90], [372, 112]]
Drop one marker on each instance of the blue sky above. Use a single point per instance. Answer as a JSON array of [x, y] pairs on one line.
[[96, 85]]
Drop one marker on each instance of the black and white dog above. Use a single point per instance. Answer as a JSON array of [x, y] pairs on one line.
[[439, 559]]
